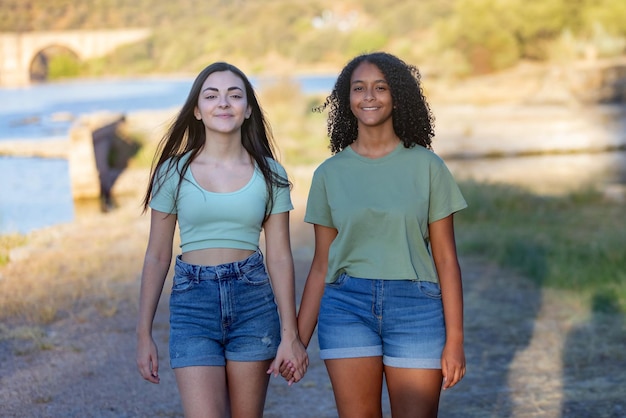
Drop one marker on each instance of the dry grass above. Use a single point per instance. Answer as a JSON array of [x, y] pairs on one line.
[[7, 242], [92, 262]]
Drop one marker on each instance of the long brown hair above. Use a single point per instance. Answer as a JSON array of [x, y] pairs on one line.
[[187, 135]]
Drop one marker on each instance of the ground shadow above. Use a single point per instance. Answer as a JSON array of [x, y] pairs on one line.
[[594, 360], [500, 312]]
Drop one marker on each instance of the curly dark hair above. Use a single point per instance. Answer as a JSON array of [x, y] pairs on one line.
[[413, 121], [187, 134]]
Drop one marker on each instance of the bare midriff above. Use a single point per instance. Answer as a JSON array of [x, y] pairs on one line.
[[215, 256]]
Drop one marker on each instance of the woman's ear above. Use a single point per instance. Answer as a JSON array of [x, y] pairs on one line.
[[248, 111], [196, 113]]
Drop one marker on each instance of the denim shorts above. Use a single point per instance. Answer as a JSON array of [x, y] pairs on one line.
[[400, 320], [223, 312]]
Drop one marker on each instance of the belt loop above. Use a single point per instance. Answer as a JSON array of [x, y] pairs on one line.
[[237, 269], [198, 270]]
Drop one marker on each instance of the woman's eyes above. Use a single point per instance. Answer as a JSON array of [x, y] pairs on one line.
[[377, 88], [215, 96]]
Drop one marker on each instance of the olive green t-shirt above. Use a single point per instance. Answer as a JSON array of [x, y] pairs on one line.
[[381, 209]]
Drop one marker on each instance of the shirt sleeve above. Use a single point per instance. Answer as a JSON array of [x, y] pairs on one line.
[[164, 190], [445, 196], [317, 207], [282, 195]]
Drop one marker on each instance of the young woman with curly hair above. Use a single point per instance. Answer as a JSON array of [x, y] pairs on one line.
[[384, 287], [231, 323]]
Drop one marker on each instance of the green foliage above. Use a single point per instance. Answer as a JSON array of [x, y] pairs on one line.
[[456, 37], [496, 34], [63, 66], [535, 23], [477, 31], [300, 135], [573, 242], [610, 14], [363, 41]]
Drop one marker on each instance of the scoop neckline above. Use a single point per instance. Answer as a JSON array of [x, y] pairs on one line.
[[241, 189]]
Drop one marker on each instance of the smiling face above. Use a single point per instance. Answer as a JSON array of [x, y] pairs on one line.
[[222, 103], [370, 96]]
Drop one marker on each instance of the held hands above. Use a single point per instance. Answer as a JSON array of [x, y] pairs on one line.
[[148, 359], [452, 364], [291, 361]]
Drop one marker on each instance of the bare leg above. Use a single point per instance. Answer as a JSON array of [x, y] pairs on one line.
[[203, 391], [247, 385], [357, 385], [413, 393]]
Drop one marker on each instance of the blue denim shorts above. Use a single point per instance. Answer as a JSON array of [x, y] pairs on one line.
[[400, 320], [223, 312]]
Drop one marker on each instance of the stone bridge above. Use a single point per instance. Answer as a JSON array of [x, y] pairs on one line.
[[18, 50]]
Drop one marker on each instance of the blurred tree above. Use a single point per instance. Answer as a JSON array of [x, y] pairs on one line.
[[478, 30], [455, 36]]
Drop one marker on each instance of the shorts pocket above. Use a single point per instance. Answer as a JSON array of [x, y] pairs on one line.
[[182, 284], [256, 275], [341, 280], [429, 289]]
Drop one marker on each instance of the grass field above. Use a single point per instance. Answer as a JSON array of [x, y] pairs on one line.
[[575, 242]]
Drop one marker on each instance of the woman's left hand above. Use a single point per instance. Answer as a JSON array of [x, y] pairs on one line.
[[452, 364], [291, 361]]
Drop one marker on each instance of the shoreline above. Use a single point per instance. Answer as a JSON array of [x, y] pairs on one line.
[[462, 130], [35, 148]]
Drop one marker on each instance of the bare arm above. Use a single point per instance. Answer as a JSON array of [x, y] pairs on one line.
[[156, 265], [314, 286], [281, 271], [445, 257]]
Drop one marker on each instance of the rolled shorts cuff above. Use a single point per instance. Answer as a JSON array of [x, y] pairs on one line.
[[351, 352], [176, 363], [412, 363]]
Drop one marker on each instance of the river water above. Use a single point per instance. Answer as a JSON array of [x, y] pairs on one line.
[[45, 111], [35, 192]]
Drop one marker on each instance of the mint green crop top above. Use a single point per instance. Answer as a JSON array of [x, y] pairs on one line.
[[218, 220]]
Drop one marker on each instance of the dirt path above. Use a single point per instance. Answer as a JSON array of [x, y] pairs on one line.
[[530, 353]]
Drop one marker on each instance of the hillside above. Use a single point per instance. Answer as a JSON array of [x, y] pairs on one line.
[[283, 36]]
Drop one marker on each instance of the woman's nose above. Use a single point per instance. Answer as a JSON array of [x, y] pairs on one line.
[[223, 102]]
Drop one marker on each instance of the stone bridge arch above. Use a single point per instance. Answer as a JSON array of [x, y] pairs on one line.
[[18, 50], [39, 68]]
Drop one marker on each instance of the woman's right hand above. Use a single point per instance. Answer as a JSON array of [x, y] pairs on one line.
[[148, 359], [291, 360]]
